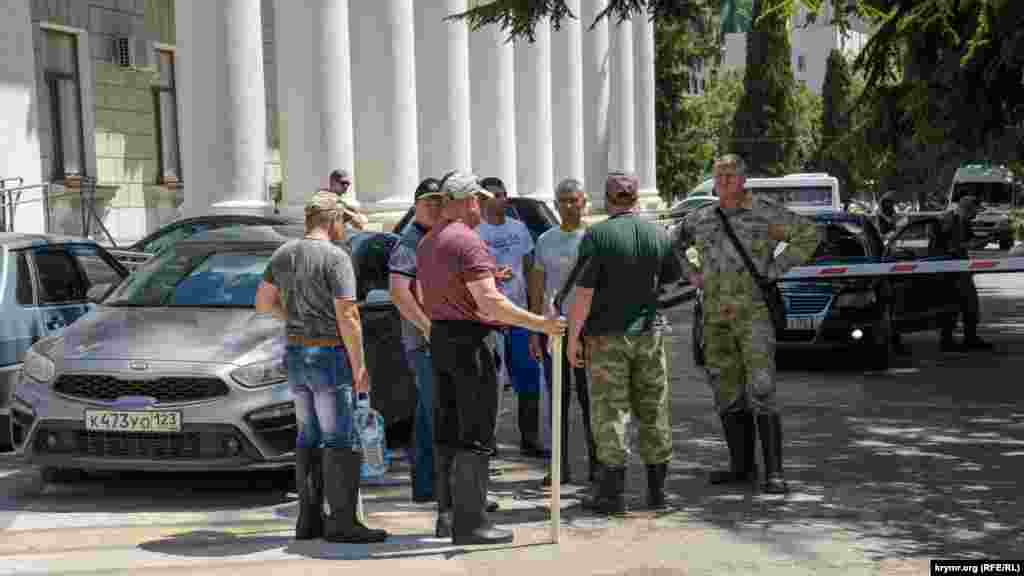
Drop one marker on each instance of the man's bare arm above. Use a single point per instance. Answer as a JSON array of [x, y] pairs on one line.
[[580, 311], [535, 290], [268, 301], [351, 331], [402, 295], [495, 305]]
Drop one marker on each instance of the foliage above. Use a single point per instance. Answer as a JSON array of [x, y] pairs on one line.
[[835, 121], [765, 131]]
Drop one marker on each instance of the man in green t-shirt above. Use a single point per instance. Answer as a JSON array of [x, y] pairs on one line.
[[624, 260]]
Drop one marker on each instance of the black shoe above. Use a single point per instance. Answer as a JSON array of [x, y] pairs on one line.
[[608, 498], [739, 436], [656, 474], [470, 524], [770, 427], [443, 526], [309, 484], [341, 487], [492, 505]]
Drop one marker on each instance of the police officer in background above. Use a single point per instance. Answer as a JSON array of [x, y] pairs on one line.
[[954, 238], [739, 335], [885, 217], [624, 259]]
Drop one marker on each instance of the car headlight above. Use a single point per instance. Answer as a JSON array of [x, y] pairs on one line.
[[38, 367], [855, 299], [261, 374]]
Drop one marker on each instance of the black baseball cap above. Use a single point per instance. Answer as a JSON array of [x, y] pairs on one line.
[[428, 187], [492, 182]]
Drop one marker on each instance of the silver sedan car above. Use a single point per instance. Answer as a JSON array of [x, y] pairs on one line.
[[174, 370]]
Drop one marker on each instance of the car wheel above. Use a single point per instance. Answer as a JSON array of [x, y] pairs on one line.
[[6, 433], [51, 475], [883, 349]]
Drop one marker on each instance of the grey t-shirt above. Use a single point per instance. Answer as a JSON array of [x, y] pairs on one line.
[[555, 255], [311, 274], [403, 263]]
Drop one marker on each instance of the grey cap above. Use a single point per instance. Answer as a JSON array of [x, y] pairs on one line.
[[459, 186]]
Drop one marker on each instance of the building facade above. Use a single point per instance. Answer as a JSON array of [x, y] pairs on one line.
[[157, 109]]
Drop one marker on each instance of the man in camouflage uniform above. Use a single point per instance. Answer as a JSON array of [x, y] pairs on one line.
[[624, 261], [739, 337]]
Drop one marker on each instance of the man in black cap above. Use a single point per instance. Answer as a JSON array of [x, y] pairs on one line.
[[416, 331], [955, 239], [340, 183]]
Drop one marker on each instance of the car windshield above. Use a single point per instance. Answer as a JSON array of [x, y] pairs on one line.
[[841, 240], [195, 277], [986, 192], [799, 195]]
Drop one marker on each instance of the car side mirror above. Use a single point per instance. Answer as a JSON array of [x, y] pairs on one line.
[[97, 292]]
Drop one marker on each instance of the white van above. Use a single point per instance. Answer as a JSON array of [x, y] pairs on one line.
[[997, 193], [801, 193]]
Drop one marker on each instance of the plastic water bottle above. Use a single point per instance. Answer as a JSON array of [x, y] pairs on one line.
[[369, 429]]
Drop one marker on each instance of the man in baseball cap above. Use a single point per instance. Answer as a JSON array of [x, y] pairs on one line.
[[339, 183]]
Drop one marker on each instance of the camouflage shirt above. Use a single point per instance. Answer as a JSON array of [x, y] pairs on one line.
[[726, 278]]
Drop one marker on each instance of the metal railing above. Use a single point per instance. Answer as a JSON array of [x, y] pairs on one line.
[[84, 188]]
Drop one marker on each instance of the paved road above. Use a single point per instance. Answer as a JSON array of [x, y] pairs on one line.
[[887, 470]]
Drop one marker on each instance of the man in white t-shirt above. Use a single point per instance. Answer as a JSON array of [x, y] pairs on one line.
[[554, 259], [512, 246]]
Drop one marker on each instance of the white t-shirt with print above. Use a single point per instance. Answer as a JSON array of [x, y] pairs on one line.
[[509, 243]]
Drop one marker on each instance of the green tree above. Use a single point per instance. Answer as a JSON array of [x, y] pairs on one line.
[[835, 121], [765, 131]]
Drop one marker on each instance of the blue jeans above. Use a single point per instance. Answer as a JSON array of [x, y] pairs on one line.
[[321, 382], [423, 452]]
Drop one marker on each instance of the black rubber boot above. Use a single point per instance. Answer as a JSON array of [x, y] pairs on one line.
[[444, 458], [739, 435], [770, 427], [470, 524], [609, 498], [341, 487], [309, 484], [656, 474]]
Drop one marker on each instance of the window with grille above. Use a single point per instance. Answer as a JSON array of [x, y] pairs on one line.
[[165, 93], [62, 86]]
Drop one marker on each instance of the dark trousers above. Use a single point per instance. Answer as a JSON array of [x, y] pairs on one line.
[[465, 385], [967, 296], [582, 396]]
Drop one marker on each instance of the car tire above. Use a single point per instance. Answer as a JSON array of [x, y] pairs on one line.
[[883, 348], [6, 434]]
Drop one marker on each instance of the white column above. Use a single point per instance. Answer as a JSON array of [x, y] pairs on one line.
[[442, 88], [646, 151], [533, 114], [223, 104], [596, 85], [623, 151], [315, 95], [567, 97], [384, 94], [19, 122], [493, 105]]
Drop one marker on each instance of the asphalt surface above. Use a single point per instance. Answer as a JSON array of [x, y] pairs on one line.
[[887, 470]]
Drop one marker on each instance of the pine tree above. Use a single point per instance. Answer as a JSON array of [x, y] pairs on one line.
[[835, 121], [765, 132]]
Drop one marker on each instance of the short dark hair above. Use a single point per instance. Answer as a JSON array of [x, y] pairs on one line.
[[492, 182]]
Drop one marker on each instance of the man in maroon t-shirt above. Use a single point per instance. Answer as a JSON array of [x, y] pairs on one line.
[[455, 271]]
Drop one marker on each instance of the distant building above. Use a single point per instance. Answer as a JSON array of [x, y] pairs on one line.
[[812, 38], [185, 107]]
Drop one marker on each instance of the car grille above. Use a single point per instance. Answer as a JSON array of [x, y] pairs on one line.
[[205, 443], [806, 304], [168, 389]]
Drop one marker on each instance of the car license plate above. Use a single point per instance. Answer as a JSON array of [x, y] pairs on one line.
[[802, 323], [114, 421]]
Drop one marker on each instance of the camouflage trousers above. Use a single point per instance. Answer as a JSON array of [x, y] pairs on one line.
[[740, 363], [629, 374]]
